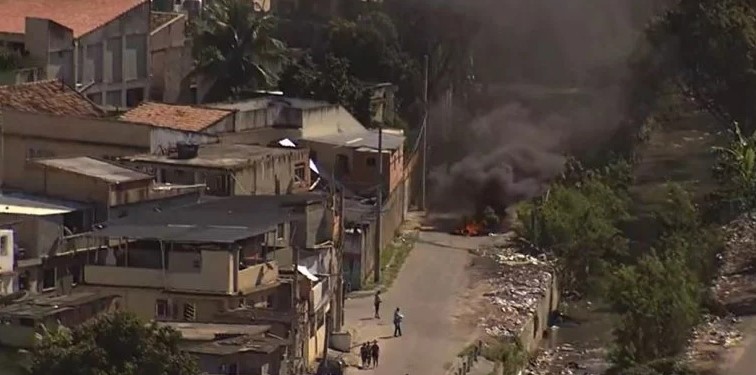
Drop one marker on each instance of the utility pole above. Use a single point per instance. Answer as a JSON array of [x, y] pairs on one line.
[[296, 323], [340, 258], [379, 211], [425, 135]]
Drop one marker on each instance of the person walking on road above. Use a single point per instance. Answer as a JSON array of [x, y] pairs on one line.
[[377, 304], [398, 317], [365, 354], [375, 352]]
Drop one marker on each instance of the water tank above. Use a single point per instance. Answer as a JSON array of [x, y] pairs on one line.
[[186, 150]]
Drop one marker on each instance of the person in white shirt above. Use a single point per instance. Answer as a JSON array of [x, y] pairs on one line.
[[398, 317]]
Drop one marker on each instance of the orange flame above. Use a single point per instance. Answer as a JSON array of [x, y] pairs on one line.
[[471, 228]]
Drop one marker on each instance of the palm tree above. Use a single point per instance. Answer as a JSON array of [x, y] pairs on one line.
[[234, 48]]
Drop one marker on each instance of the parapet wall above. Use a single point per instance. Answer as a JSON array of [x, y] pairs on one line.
[[534, 328]]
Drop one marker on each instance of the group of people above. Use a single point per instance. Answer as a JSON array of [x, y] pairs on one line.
[[369, 353], [398, 316]]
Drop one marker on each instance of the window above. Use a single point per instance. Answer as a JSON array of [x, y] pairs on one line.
[[190, 312], [113, 98], [280, 231], [342, 165], [371, 161], [48, 279], [134, 97], [3, 246], [95, 98], [161, 308], [299, 172], [75, 272], [197, 262], [26, 322]]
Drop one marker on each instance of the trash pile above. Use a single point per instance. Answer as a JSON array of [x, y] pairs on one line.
[[739, 256], [734, 282], [516, 287], [567, 360], [711, 336]]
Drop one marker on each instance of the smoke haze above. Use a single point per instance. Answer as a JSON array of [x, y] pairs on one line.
[[554, 74]]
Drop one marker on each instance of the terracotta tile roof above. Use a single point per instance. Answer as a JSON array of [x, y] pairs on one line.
[[51, 97], [81, 16], [180, 117]]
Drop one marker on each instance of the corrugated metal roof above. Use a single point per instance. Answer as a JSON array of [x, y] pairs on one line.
[[92, 167], [219, 220], [26, 204], [368, 139]]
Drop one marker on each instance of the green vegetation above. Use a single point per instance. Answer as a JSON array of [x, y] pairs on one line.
[[115, 344], [234, 49], [735, 171], [394, 255], [579, 219], [509, 357], [707, 48]]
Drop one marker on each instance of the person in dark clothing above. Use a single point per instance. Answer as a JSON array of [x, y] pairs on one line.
[[375, 352], [398, 322], [377, 304], [365, 355]]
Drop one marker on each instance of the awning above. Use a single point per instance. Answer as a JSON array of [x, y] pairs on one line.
[[306, 273]]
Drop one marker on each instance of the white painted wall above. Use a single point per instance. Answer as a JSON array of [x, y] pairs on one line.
[[7, 284]]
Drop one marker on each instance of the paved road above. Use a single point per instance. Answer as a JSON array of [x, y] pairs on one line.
[[428, 291]]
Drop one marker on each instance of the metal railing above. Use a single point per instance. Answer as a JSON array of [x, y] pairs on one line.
[[464, 363]]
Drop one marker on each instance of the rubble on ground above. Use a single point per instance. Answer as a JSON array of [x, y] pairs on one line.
[[567, 360], [711, 336], [716, 334], [738, 256], [515, 288]]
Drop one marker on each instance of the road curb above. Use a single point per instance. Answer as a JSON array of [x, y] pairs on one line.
[[365, 293]]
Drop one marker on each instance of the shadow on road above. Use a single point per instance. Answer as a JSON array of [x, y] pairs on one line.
[[448, 246]]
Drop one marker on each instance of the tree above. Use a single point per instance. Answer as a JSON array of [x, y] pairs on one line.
[[446, 32], [657, 301], [684, 234], [329, 81], [115, 344], [709, 50], [371, 46], [735, 170], [580, 224], [234, 47]]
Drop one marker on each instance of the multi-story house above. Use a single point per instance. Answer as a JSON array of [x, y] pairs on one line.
[[100, 47], [47, 119], [73, 195], [190, 262]]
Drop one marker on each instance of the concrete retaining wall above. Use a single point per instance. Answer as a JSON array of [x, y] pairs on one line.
[[532, 331]]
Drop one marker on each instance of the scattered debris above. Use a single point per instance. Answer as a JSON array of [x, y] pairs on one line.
[[711, 337], [738, 257], [734, 283], [515, 288], [567, 360]]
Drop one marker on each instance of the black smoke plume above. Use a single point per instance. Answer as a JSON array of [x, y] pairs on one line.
[[552, 83]]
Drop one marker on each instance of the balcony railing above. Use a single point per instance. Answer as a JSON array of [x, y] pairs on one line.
[[258, 275], [211, 281]]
